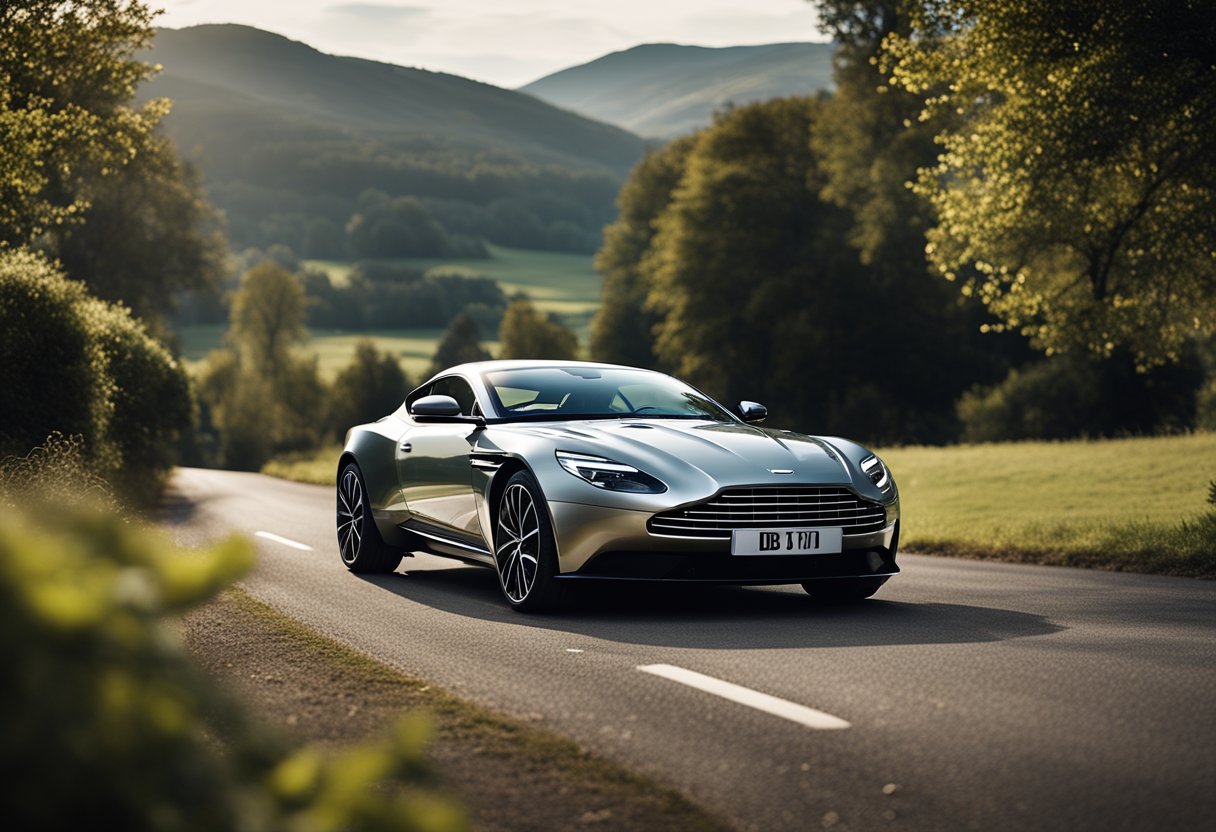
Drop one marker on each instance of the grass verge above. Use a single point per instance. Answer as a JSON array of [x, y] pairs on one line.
[[509, 775], [316, 467]]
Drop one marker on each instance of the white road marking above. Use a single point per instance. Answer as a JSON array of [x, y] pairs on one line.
[[792, 711], [573, 650], [285, 541]]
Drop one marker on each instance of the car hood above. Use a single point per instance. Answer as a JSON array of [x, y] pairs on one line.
[[726, 453]]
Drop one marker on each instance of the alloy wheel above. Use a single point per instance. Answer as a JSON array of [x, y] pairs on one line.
[[517, 542], [350, 516]]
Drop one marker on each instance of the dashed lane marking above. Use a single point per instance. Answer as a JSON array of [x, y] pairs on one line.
[[783, 708], [285, 541]]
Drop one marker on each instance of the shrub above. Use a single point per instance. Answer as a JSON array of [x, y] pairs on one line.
[[105, 723], [53, 375], [85, 368]]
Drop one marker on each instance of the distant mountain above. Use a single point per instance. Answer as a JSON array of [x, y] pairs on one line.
[[286, 135], [662, 90]]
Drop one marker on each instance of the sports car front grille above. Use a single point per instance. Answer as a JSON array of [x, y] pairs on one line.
[[771, 507]]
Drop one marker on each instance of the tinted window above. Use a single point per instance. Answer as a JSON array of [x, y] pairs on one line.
[[594, 392]]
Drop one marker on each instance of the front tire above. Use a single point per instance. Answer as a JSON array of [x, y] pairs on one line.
[[524, 549], [359, 541], [843, 590]]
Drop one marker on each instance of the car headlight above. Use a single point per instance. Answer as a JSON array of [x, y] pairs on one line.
[[876, 470], [605, 473]]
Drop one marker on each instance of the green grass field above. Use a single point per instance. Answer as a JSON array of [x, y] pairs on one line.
[[1137, 504], [1130, 504], [566, 284]]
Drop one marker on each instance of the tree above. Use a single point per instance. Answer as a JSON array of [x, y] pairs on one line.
[[461, 344], [1076, 191], [268, 316], [147, 235], [372, 385], [67, 79], [525, 333], [261, 396], [83, 176], [622, 331]]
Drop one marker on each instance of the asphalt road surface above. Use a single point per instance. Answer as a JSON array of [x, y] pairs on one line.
[[975, 695]]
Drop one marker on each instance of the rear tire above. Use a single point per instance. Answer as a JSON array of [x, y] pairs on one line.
[[843, 590], [359, 543], [524, 549]]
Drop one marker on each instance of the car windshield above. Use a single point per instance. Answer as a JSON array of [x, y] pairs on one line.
[[597, 393]]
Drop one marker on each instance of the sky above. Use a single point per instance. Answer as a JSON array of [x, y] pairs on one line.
[[505, 42]]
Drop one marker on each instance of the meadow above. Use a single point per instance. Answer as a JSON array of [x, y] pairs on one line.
[[566, 284], [1138, 505]]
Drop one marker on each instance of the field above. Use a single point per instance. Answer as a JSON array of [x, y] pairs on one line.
[[1119, 504], [566, 284], [1130, 504]]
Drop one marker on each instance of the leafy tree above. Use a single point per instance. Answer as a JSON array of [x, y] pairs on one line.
[[461, 343], [67, 79], [268, 315], [525, 333], [1076, 191], [147, 236], [261, 397], [82, 174], [372, 385], [623, 329]]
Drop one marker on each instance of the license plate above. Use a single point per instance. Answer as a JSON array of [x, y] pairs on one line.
[[786, 541]]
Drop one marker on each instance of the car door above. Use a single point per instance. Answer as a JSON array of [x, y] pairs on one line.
[[433, 465]]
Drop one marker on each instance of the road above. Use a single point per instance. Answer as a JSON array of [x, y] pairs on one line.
[[977, 695]]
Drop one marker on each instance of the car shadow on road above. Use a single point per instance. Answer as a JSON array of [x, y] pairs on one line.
[[716, 617]]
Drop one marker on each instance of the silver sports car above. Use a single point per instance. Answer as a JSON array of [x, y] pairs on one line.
[[553, 472]]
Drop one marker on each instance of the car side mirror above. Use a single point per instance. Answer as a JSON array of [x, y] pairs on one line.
[[753, 411], [435, 406]]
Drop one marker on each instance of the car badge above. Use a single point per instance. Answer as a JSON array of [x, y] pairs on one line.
[[781, 470]]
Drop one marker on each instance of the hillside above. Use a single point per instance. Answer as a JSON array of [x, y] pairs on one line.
[[286, 135], [664, 89]]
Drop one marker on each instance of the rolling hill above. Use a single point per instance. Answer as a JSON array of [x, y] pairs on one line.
[[287, 136], [662, 90]]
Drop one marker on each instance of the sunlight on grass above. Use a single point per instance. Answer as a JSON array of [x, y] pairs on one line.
[[1099, 502]]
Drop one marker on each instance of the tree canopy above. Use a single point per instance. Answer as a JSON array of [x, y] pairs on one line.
[[1076, 186], [525, 333], [83, 174]]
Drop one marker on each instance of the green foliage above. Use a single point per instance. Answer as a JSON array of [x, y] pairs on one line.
[[1076, 395], [268, 315], [147, 235], [1077, 183], [52, 375], [623, 329], [82, 174], [382, 296], [460, 344], [525, 333], [67, 77], [86, 368], [371, 386], [261, 397], [152, 403], [57, 472], [99, 694]]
